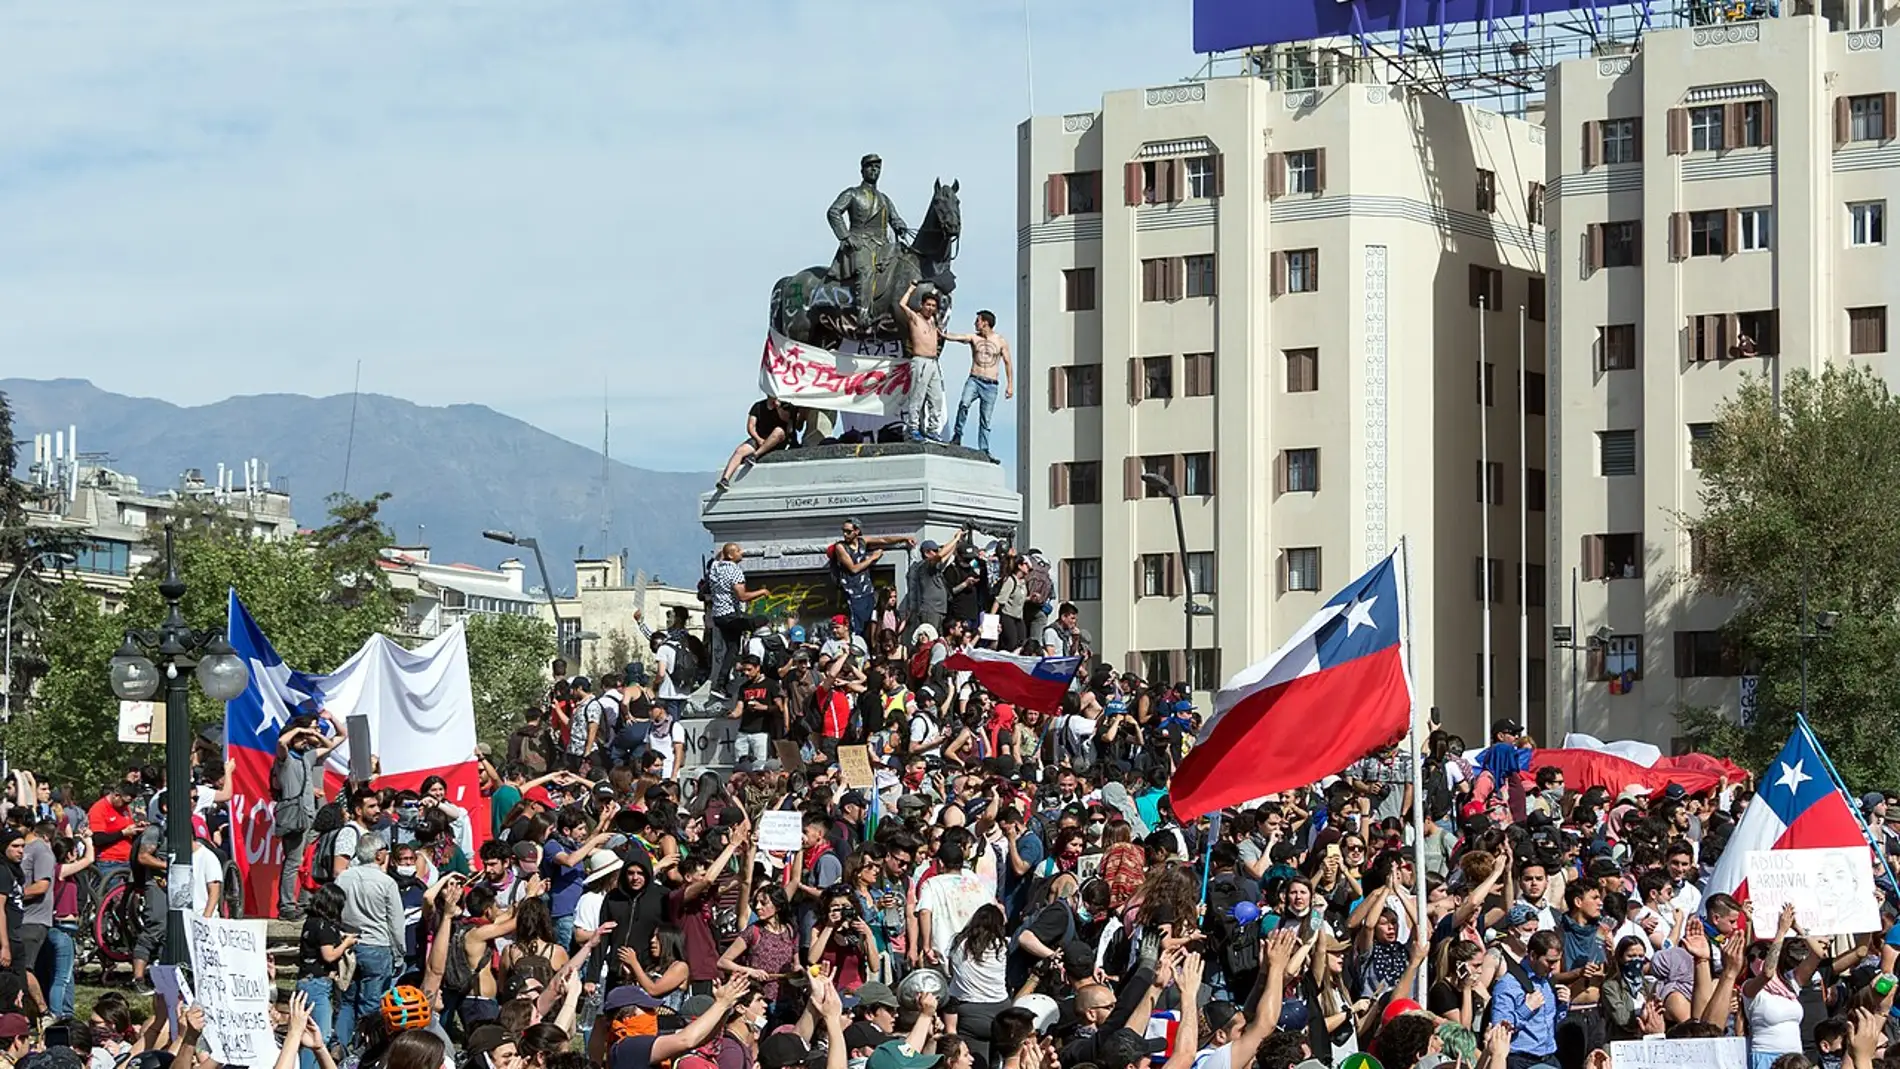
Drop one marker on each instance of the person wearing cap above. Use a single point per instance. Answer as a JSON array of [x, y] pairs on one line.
[[851, 559], [930, 594], [16, 1035]]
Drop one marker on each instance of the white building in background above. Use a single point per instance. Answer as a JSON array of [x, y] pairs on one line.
[[442, 595], [1272, 299], [1717, 207]]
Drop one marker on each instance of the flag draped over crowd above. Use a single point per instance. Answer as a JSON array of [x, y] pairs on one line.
[[419, 709]]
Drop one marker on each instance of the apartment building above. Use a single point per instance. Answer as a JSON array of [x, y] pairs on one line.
[[1717, 207], [1273, 300]]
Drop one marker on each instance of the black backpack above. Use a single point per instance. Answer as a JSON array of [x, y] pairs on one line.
[[1239, 944], [777, 652], [458, 976], [327, 826], [689, 663]]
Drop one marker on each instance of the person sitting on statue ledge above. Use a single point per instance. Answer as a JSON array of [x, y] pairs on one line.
[[768, 425]]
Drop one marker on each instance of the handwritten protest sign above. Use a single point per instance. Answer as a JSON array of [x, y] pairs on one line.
[[234, 986], [1728, 1052], [854, 766], [1832, 889], [781, 830]]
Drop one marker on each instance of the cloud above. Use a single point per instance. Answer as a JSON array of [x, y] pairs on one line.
[[515, 204]]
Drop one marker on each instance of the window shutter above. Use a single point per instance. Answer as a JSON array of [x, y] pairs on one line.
[[1592, 144], [1636, 139], [1141, 584], [1312, 269], [1282, 569], [1178, 472], [1593, 557], [1319, 570], [1678, 235], [1695, 340], [1177, 665], [1278, 284], [1131, 478], [1319, 170], [1177, 276], [1131, 661], [1173, 571], [1842, 121], [1732, 126], [1731, 330], [1213, 463], [1062, 580], [1191, 371], [1136, 380], [1058, 194], [1593, 238], [1636, 243], [1678, 131], [1732, 224], [1771, 342], [1058, 486], [1279, 473], [1220, 174], [1131, 184], [1767, 122], [1316, 470], [1095, 189], [1177, 180], [1595, 666], [1058, 389], [1887, 116], [1475, 284], [1276, 175]]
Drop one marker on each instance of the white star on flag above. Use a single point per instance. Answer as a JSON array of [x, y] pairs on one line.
[[1360, 612], [1792, 778]]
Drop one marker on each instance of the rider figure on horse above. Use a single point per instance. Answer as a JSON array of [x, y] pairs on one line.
[[864, 221]]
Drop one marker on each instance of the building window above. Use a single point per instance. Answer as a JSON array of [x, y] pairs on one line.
[[1533, 393], [1867, 117], [1487, 384], [1078, 289], [1867, 222], [1157, 665], [1867, 330], [1302, 471], [1534, 204], [1757, 333], [1534, 489], [1157, 575], [1754, 128], [1755, 229], [1619, 141], [1531, 581], [1200, 177], [1619, 658], [1160, 466], [1534, 299], [1075, 193], [1612, 556], [1303, 172], [1491, 482], [1701, 440], [1706, 653], [1197, 474], [1616, 453], [1157, 377], [1200, 275], [104, 558], [1197, 374], [1302, 370], [1708, 338], [1487, 287], [1616, 244], [1616, 347], [1296, 271], [1481, 571], [1300, 569], [1708, 233], [1204, 670], [1484, 678], [1161, 279], [1076, 482], [1487, 192], [1705, 128], [1085, 578], [1077, 386], [1200, 572], [1156, 177]]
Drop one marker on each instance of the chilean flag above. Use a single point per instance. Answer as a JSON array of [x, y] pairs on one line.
[[1038, 683], [1798, 806], [1338, 690], [252, 721]]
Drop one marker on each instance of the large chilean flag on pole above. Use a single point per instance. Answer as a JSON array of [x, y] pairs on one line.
[[1337, 690], [1797, 806]]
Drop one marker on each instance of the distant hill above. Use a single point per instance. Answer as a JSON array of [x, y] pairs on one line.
[[455, 470]]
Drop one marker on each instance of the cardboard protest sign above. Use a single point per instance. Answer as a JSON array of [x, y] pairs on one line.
[[1832, 889], [233, 985]]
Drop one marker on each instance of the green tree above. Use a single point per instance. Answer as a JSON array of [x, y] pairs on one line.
[[506, 659], [1798, 500], [30, 557]]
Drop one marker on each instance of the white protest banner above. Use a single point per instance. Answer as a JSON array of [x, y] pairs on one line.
[[873, 382], [141, 722], [1728, 1052], [233, 983], [781, 830], [1832, 889]]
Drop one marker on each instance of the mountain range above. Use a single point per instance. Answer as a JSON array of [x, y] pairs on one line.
[[451, 472]]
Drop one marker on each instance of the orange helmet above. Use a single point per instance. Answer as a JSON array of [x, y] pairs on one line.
[[406, 1007]]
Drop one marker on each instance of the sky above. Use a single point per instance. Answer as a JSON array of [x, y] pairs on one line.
[[544, 207]]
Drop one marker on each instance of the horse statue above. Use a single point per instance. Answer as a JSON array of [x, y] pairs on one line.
[[815, 306]]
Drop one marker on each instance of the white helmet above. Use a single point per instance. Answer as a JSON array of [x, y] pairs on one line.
[[1043, 1007]]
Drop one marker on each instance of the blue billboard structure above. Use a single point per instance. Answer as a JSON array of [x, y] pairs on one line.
[[1228, 25]]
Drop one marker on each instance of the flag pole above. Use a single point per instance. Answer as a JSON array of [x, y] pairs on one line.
[[1853, 804], [1523, 539], [1488, 671], [1424, 980]]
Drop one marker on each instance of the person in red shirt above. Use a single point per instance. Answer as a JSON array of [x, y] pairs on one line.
[[114, 827]]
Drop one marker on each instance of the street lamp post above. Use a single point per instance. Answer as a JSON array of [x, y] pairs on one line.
[[1189, 610], [509, 538], [1813, 626], [181, 652]]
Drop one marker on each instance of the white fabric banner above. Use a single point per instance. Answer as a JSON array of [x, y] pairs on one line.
[[1641, 753], [421, 709], [873, 378]]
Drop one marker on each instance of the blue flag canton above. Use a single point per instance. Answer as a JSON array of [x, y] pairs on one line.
[[1797, 778], [1368, 619], [1061, 669]]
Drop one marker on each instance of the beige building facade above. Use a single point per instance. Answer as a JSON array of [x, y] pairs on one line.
[[1273, 300], [1716, 208]]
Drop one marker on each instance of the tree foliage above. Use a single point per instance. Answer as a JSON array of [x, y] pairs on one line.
[[30, 562], [1799, 494], [507, 658]]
